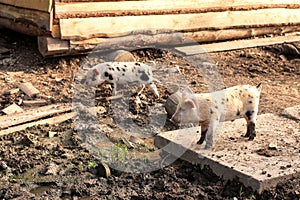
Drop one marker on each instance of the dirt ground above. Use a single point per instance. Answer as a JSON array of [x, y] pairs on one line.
[[60, 167]]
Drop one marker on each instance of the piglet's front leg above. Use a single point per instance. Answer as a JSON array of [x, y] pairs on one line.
[[251, 133]]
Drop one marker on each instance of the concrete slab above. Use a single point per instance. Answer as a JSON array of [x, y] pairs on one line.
[[292, 112], [273, 156]]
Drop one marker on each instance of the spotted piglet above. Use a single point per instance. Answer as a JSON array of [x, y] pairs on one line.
[[208, 109], [121, 73]]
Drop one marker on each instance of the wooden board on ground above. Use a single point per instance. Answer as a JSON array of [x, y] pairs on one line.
[[258, 163], [76, 28], [236, 44], [52, 120], [33, 114], [11, 109], [29, 89], [36, 102]]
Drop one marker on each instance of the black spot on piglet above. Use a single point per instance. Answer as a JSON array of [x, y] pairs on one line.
[[110, 77]]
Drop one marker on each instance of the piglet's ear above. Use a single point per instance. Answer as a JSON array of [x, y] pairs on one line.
[[190, 103], [187, 91], [259, 86], [95, 71]]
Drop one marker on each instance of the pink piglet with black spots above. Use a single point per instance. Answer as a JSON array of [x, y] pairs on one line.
[[208, 109]]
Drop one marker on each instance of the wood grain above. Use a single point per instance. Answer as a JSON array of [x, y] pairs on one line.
[[76, 28]]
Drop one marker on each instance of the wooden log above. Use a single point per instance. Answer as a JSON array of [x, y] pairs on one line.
[[52, 120], [41, 5], [162, 39], [33, 114], [50, 47], [113, 8], [30, 17], [75, 28], [237, 44]]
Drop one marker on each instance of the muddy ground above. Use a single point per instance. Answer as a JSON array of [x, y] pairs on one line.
[[34, 165]]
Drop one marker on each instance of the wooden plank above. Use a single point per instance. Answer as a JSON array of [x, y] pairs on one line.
[[11, 109], [60, 47], [52, 120], [117, 26], [237, 44], [31, 17], [33, 114], [42, 5], [37, 102], [92, 9], [24, 28], [29, 89], [50, 46]]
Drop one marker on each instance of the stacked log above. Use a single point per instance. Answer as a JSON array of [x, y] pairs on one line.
[[67, 27]]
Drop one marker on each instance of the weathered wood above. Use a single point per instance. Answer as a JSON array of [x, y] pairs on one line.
[[96, 9], [37, 102], [33, 114], [52, 120], [50, 46], [11, 91], [11, 109], [31, 17], [176, 38], [28, 29], [42, 5], [29, 89], [55, 32], [237, 44], [118, 26]]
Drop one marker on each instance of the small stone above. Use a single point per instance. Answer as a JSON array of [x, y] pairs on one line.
[[282, 167], [173, 70], [272, 146], [51, 134], [121, 56]]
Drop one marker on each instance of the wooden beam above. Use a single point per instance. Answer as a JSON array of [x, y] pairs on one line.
[[76, 28], [41, 5], [52, 120], [50, 46], [31, 17], [92, 9], [33, 114], [23, 28], [237, 44]]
